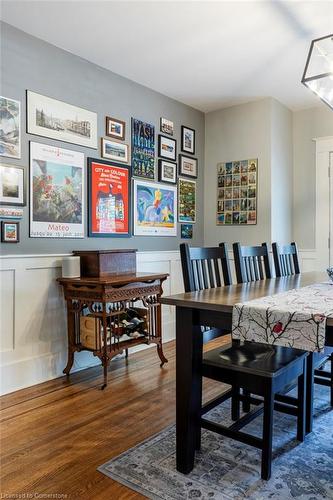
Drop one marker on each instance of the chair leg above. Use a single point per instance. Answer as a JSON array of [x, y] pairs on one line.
[[266, 455], [309, 393], [301, 405], [235, 403], [246, 404]]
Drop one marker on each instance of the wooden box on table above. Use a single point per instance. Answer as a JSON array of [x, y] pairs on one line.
[[100, 263]]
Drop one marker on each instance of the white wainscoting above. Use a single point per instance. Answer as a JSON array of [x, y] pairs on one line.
[[33, 341]]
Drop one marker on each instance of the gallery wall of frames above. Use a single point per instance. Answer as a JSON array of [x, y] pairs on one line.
[[143, 187]]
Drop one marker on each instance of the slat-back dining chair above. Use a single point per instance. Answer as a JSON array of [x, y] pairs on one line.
[[286, 263], [251, 262]]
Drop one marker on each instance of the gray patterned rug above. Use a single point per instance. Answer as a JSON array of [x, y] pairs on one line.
[[226, 469]]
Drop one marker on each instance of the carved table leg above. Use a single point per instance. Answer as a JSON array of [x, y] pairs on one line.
[[71, 337], [159, 333], [105, 357], [161, 354]]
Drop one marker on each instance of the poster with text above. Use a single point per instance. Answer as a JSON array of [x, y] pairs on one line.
[[143, 149], [56, 192], [109, 199]]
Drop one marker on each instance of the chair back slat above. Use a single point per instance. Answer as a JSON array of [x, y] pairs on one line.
[[286, 261], [251, 263], [205, 267]]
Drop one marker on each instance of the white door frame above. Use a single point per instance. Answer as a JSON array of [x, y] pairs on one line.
[[324, 146]]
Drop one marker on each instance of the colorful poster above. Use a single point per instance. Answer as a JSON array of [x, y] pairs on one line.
[[56, 192], [155, 209], [187, 200], [143, 149], [109, 199]]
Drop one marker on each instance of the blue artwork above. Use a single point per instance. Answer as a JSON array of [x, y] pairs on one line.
[[143, 149]]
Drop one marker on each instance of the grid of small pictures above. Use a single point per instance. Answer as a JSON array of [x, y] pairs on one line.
[[237, 192]]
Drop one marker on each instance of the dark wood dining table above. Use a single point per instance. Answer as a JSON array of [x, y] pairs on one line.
[[213, 307]]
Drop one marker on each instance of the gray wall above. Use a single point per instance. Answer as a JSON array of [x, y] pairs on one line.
[[29, 63], [307, 125], [237, 133]]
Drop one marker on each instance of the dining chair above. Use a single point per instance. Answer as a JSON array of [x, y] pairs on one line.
[[286, 263], [251, 262]]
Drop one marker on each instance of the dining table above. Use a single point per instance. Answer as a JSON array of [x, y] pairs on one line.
[[213, 308]]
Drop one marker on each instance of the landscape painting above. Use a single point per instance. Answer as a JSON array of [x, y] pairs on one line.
[[10, 128], [155, 209], [58, 120]]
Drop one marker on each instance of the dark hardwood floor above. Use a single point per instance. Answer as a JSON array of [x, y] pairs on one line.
[[54, 435]]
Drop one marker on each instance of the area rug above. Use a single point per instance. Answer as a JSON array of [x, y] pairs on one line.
[[226, 469]]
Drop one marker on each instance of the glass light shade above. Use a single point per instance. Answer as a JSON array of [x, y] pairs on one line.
[[318, 73]]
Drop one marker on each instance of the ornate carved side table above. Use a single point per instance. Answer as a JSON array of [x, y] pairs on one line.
[[106, 299]]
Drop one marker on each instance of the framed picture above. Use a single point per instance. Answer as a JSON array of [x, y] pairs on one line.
[[11, 213], [113, 150], [58, 120], [155, 209], [236, 202], [167, 148], [12, 185], [57, 205], [166, 126], [188, 166], [10, 127], [115, 128], [143, 149], [188, 140], [10, 232], [186, 200], [167, 171], [108, 199], [186, 231]]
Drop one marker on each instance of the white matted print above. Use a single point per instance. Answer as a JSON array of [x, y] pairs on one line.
[[58, 120], [155, 209], [57, 205], [10, 127], [113, 150], [12, 188]]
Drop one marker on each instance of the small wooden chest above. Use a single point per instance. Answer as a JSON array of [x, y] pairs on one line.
[[100, 263]]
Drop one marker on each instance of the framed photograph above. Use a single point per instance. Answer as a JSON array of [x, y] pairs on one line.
[[167, 171], [115, 128], [12, 185], [155, 209], [186, 200], [10, 232], [188, 140], [11, 213], [236, 202], [166, 126], [58, 120], [167, 148], [57, 205], [186, 231], [113, 150], [143, 149], [10, 127], [108, 199], [188, 166]]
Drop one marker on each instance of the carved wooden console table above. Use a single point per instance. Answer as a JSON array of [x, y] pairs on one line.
[[104, 301]]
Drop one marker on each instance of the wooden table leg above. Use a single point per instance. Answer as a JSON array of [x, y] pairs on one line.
[[70, 336], [188, 388]]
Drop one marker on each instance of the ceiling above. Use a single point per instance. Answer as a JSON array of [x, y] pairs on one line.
[[206, 54]]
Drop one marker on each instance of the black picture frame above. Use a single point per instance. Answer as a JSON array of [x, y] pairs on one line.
[[184, 148], [15, 204], [161, 178], [180, 163], [160, 152], [91, 233], [4, 223]]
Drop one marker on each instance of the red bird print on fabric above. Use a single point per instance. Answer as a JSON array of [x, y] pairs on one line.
[[278, 327]]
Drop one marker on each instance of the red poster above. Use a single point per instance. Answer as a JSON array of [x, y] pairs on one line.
[[108, 199]]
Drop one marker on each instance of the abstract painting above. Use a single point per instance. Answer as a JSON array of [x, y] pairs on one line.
[[143, 149], [10, 128]]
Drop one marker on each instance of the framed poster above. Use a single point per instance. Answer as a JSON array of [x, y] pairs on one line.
[[115, 128], [188, 140], [167, 171], [167, 148], [188, 166], [186, 231], [237, 193], [143, 149], [58, 120], [10, 127], [155, 209], [108, 199], [10, 232], [56, 192], [166, 126], [12, 185], [186, 200], [113, 150]]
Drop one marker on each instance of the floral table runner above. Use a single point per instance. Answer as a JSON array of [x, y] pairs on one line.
[[296, 318]]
